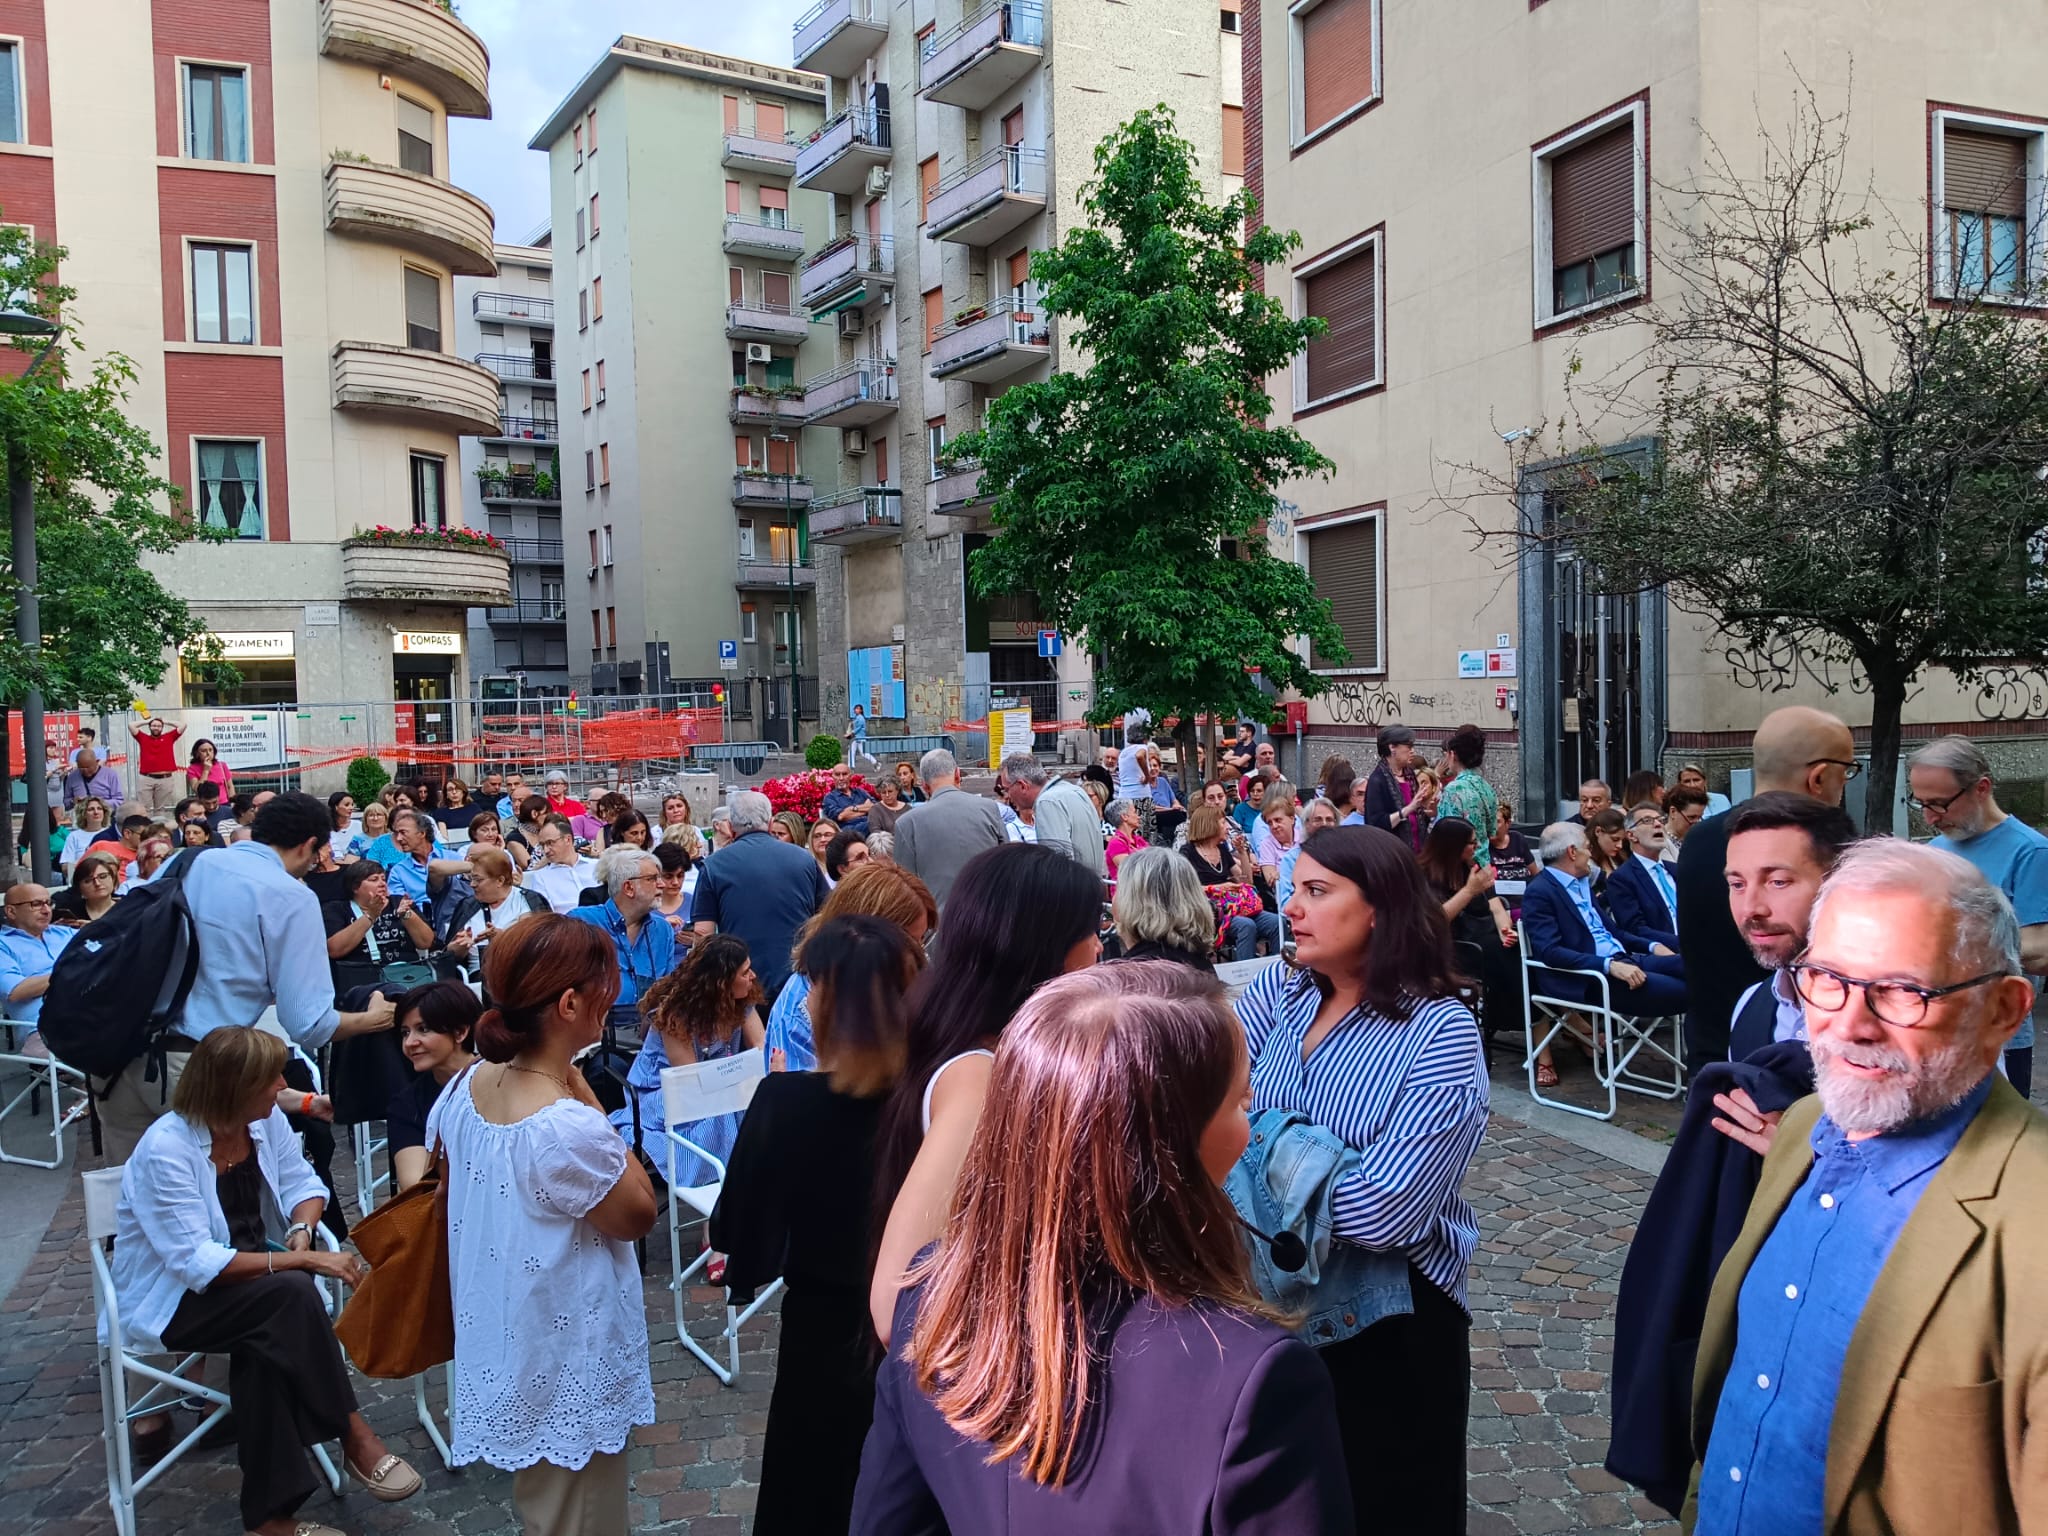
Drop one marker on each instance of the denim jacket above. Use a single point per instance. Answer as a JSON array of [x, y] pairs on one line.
[[1285, 1182]]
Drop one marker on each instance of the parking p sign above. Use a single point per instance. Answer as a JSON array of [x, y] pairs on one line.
[[729, 655]]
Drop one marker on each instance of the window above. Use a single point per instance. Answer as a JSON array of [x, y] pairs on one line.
[[732, 198], [590, 129], [223, 294], [13, 120], [415, 137], [775, 292], [781, 455], [582, 235], [1344, 565], [881, 461], [781, 371], [600, 381], [604, 466], [1233, 140], [596, 633], [743, 454], [1342, 288], [1988, 234], [551, 599], [422, 310], [216, 113], [736, 289], [924, 39], [607, 543], [730, 107], [785, 543], [611, 629], [1589, 197], [787, 630], [586, 389], [231, 487], [934, 303], [593, 549], [935, 444], [1013, 127], [739, 364], [748, 633], [429, 491], [927, 184], [578, 137], [593, 216], [597, 298], [775, 207], [1334, 53], [582, 309], [1020, 277], [589, 470], [746, 538], [1230, 16], [771, 121]]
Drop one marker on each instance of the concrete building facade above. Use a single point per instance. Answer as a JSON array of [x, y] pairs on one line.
[[257, 208], [1472, 184]]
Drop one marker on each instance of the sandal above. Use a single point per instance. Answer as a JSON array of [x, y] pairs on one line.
[[389, 1481], [1546, 1075]]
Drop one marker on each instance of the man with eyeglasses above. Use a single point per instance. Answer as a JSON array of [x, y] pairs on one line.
[[562, 874], [1640, 890], [29, 946], [1952, 790], [1854, 1375]]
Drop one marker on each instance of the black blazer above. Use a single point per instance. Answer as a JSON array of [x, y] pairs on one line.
[[1718, 964], [1641, 917], [1203, 1422]]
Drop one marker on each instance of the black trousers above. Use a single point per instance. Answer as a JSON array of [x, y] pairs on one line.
[[287, 1381], [1403, 1389]]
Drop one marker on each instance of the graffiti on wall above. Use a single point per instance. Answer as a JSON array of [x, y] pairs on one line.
[[1782, 663], [834, 700], [2013, 693], [935, 698], [1352, 702]]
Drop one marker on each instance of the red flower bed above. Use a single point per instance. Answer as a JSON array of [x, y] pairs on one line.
[[805, 792]]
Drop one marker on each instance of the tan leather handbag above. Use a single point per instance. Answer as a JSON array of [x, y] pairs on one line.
[[401, 1319]]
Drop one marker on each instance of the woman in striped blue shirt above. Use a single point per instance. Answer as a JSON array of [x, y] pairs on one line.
[[1368, 1039]]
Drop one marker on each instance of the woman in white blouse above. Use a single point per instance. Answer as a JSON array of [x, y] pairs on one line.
[[544, 1206], [203, 1260]]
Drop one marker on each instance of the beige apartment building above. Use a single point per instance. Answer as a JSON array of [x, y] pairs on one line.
[[1474, 182], [258, 211], [680, 347]]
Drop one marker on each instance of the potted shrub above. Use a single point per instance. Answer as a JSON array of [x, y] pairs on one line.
[[365, 777], [822, 751]]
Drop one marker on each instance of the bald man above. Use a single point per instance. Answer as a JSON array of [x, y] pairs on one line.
[[1806, 751]]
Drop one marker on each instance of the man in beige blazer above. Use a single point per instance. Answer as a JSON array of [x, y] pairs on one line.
[[1876, 1347]]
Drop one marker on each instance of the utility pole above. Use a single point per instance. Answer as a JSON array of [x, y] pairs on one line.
[[28, 617]]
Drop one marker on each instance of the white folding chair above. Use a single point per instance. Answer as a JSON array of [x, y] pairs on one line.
[[49, 1085], [689, 1093], [1618, 1038], [118, 1361], [370, 1184]]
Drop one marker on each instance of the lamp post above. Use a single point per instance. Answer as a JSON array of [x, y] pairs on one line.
[[28, 617], [796, 628]]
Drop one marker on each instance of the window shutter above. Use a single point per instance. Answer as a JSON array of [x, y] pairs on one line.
[[743, 451], [932, 304], [881, 461], [775, 197], [769, 121], [1336, 60], [927, 184], [1020, 268], [779, 460], [775, 289], [732, 197], [731, 105], [735, 277], [1593, 197], [1345, 295], [1984, 173], [1233, 140], [1344, 565]]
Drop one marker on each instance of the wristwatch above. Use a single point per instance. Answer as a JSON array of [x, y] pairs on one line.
[[297, 1227]]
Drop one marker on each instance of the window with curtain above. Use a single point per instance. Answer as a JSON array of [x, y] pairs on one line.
[[781, 372], [231, 488], [422, 310], [415, 137], [13, 127], [223, 288], [1984, 194], [775, 207], [429, 492], [216, 113]]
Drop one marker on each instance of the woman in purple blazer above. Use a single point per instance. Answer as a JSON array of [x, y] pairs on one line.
[[1083, 1352]]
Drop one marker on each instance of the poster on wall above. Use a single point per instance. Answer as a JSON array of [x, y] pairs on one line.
[[244, 738], [1010, 731], [60, 736], [874, 680]]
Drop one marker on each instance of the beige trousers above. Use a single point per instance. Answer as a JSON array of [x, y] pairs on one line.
[[160, 794], [134, 1105], [553, 1501]]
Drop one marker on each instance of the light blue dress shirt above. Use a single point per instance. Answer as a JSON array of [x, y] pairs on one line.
[[23, 955], [789, 1027], [261, 942], [2013, 857], [643, 960], [1605, 944]]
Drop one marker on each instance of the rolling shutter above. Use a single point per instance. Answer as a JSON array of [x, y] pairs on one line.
[[1345, 294], [1336, 60], [771, 121], [1593, 197], [1984, 173], [1344, 565], [1233, 140]]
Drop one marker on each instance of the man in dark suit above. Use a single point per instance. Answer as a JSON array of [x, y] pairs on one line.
[[1640, 891], [1566, 931], [1806, 751], [1594, 797]]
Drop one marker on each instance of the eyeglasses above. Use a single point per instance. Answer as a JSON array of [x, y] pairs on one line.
[[1647, 821], [1939, 807], [27, 906], [1898, 1003], [1849, 770]]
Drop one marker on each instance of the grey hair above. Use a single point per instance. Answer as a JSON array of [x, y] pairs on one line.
[[935, 765], [1987, 935], [1023, 768], [1159, 899], [721, 813], [882, 845], [620, 863], [1114, 811], [1559, 838], [1956, 755], [749, 811], [556, 776], [417, 818]]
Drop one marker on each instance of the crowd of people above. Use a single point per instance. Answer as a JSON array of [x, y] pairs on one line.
[[1066, 1232]]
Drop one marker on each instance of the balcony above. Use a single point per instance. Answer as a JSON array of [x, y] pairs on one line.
[[416, 213], [854, 269], [1005, 188], [427, 388], [867, 514], [991, 342], [397, 573], [759, 489], [415, 40], [957, 492], [520, 491], [834, 37], [765, 411], [764, 157], [523, 367], [524, 429], [764, 320], [838, 157], [857, 395], [776, 573], [517, 307], [757, 237], [534, 551], [527, 611], [992, 50]]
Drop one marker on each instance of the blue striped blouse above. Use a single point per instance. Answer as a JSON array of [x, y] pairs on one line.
[[1410, 1097]]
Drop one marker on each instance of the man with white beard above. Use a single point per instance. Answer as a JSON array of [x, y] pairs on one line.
[[1871, 1358]]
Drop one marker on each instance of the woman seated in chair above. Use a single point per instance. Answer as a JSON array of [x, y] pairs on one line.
[[372, 929], [437, 1032], [1482, 929], [708, 1007], [204, 1261]]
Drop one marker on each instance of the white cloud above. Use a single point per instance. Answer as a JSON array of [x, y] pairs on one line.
[[541, 48]]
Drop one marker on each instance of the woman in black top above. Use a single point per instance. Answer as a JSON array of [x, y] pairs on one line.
[[455, 809], [1513, 859], [370, 929], [795, 1204], [436, 1030], [95, 882], [1481, 928]]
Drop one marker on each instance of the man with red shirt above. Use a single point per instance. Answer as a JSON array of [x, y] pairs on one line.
[[156, 748]]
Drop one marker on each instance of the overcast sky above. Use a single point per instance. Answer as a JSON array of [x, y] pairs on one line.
[[541, 48]]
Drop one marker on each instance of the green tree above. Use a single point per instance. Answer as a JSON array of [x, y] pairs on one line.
[[101, 505], [1114, 486]]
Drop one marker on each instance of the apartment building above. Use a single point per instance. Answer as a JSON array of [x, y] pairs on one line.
[[512, 475], [258, 211], [688, 467], [1474, 183], [959, 137]]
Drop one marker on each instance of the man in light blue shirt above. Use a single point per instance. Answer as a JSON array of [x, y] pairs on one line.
[[1567, 932], [29, 947], [644, 944], [1952, 789], [421, 867]]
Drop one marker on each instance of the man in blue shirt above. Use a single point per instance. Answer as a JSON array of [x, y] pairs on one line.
[[1567, 931], [759, 889], [420, 867], [644, 944], [846, 802], [1952, 790], [29, 947], [1809, 1399]]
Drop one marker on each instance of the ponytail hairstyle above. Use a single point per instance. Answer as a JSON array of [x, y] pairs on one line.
[[531, 964]]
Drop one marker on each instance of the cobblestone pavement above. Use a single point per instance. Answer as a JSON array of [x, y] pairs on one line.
[[1556, 1221]]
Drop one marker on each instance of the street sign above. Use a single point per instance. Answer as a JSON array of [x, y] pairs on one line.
[[729, 655], [1048, 643]]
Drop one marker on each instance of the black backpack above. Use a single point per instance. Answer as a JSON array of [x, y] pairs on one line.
[[120, 986]]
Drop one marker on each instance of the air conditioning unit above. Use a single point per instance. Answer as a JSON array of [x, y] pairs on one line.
[[852, 322], [853, 441], [760, 352], [878, 180]]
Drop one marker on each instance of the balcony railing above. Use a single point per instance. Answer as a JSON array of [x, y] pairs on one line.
[[529, 429], [765, 320], [513, 306], [994, 47], [528, 610], [834, 36], [533, 551], [991, 342], [857, 394], [749, 409], [519, 365], [767, 571], [759, 237], [846, 264], [766, 488], [837, 157], [749, 152], [991, 197], [519, 488], [864, 514]]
